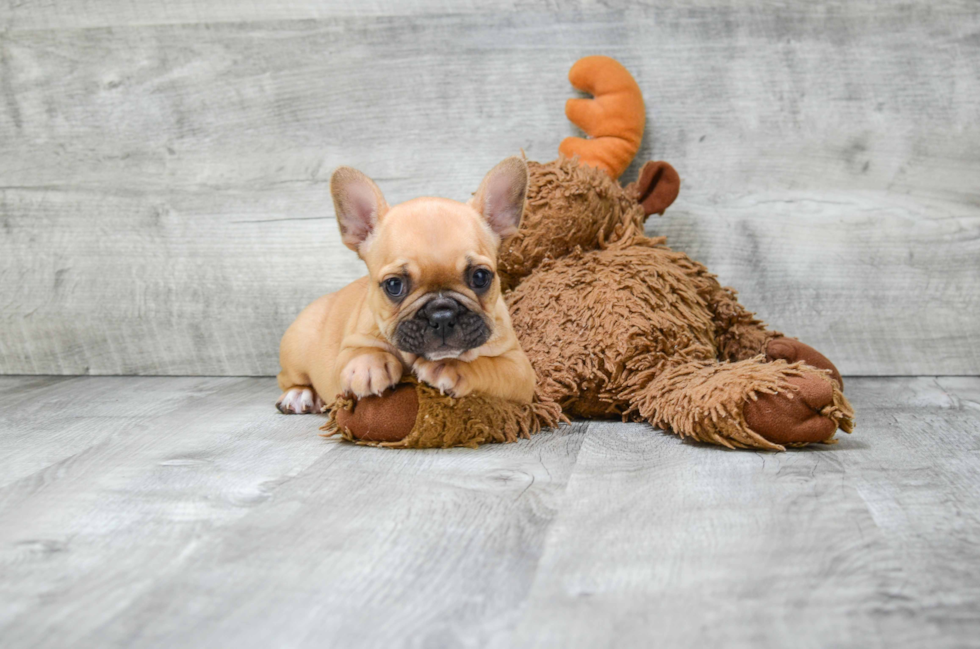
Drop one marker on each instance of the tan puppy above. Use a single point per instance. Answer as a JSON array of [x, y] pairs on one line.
[[430, 304]]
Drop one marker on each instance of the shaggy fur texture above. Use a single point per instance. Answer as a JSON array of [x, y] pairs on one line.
[[620, 325], [443, 421], [705, 400], [568, 206]]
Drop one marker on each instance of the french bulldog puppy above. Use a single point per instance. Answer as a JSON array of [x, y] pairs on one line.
[[430, 304]]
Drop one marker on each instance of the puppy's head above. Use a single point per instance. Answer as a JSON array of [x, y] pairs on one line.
[[432, 262]]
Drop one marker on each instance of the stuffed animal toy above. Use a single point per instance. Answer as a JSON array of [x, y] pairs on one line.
[[615, 323]]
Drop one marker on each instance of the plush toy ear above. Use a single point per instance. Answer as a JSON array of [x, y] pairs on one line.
[[657, 187], [359, 205], [500, 198]]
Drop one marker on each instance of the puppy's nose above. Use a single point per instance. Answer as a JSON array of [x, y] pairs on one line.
[[441, 313]]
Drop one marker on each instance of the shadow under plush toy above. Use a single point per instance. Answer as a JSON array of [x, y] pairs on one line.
[[615, 323]]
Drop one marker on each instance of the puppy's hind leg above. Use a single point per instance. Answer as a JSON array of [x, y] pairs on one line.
[[298, 396], [301, 400]]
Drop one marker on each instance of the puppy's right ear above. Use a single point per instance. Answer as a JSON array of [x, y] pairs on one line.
[[359, 205], [500, 197]]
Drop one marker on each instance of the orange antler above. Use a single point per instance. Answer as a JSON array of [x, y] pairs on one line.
[[613, 119]]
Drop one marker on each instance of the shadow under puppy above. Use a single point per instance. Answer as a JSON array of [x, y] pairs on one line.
[[431, 302]]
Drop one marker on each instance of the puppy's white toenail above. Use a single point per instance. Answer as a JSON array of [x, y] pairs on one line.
[[296, 401]]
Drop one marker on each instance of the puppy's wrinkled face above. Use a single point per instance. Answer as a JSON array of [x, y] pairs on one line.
[[434, 290], [434, 283]]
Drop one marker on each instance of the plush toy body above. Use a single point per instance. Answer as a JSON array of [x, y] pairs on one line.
[[623, 326], [618, 325]]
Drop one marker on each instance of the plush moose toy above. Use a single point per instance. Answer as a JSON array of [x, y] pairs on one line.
[[615, 323]]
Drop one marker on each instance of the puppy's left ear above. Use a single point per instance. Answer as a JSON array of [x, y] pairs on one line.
[[500, 198]]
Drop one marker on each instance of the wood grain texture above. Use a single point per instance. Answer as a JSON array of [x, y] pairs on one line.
[[660, 544], [141, 496], [162, 512], [163, 169], [56, 14]]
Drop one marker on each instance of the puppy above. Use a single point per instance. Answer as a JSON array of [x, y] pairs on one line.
[[430, 304]]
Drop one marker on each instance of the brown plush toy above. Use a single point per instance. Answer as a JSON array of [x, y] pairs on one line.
[[415, 415], [615, 323]]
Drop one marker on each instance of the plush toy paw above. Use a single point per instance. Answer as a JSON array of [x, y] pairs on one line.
[[388, 417], [415, 415], [444, 376], [370, 373], [745, 404], [809, 414], [299, 401], [791, 350]]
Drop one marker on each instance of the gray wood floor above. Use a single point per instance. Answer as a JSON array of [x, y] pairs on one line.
[[185, 512]]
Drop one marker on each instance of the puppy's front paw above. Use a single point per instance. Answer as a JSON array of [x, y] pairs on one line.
[[445, 376], [370, 373]]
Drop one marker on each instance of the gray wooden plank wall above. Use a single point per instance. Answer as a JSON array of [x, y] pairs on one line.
[[186, 512], [164, 165]]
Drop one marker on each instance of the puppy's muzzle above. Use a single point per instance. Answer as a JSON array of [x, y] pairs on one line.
[[442, 328]]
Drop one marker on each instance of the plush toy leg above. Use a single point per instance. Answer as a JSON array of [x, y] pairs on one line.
[[746, 404], [741, 336], [415, 415]]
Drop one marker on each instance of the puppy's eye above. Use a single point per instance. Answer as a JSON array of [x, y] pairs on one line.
[[395, 287], [480, 279]]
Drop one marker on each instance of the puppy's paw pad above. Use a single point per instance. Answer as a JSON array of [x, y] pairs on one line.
[[299, 401], [370, 374]]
